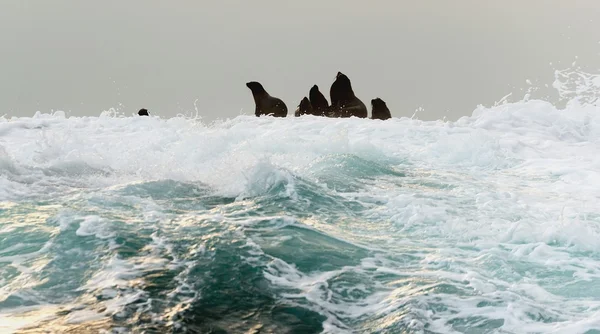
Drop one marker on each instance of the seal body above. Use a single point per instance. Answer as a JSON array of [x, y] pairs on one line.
[[143, 112], [343, 101], [379, 109], [304, 108], [265, 103], [318, 102]]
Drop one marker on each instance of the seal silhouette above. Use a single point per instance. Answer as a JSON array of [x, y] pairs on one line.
[[379, 109], [304, 108], [143, 112], [265, 103], [318, 101], [343, 101]]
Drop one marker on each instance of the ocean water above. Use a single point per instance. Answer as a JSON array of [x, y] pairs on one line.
[[489, 224]]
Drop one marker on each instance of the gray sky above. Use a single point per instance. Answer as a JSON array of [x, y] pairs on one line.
[[444, 56]]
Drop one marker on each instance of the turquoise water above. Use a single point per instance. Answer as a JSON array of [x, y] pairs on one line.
[[303, 225]]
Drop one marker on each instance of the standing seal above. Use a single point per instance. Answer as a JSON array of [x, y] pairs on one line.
[[143, 112], [265, 103], [304, 108], [343, 101], [379, 109], [318, 101]]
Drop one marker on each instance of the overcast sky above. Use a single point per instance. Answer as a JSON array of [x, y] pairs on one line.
[[446, 57]]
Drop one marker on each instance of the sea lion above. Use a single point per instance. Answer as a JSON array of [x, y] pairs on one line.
[[318, 101], [379, 109], [265, 103], [304, 108], [143, 112], [343, 101]]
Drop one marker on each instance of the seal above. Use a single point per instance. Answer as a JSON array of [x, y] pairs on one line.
[[304, 108], [318, 101], [265, 103], [343, 101], [143, 112], [379, 109]]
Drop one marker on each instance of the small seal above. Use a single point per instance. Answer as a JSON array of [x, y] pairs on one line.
[[143, 112], [343, 101], [318, 101], [379, 109], [265, 103], [304, 108]]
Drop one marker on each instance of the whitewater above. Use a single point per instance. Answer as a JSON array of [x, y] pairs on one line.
[[487, 224]]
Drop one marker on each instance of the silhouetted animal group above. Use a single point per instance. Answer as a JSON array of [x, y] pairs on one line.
[[343, 102]]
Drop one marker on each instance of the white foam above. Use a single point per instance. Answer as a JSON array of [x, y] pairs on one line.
[[96, 226]]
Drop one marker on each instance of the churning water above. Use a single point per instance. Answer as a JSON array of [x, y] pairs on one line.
[[490, 224]]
